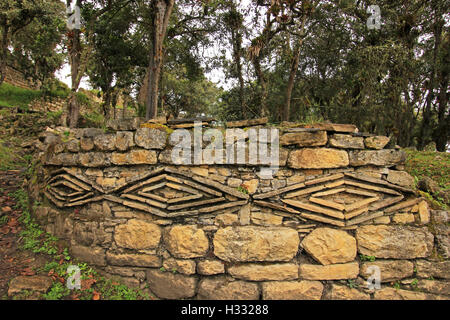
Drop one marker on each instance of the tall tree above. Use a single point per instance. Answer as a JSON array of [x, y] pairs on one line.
[[17, 15], [160, 12]]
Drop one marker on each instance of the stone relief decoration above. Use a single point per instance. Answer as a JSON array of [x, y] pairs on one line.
[[343, 199], [164, 192]]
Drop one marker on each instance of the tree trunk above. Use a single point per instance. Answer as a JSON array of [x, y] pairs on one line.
[[290, 85], [442, 132], [3, 53], [293, 71], [74, 46], [126, 98], [425, 129], [115, 95], [263, 83], [236, 41], [106, 104], [161, 11]]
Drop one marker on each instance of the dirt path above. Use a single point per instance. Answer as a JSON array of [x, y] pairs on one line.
[[13, 261]]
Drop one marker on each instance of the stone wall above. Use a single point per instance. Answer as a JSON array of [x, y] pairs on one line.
[[338, 205], [16, 78]]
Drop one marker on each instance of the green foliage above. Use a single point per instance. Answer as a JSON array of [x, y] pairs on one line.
[[3, 220], [56, 292], [435, 165], [11, 96], [352, 283], [366, 258], [34, 238], [7, 159], [242, 189]]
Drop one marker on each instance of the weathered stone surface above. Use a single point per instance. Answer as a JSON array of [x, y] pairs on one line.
[[377, 142], [133, 260], [183, 266], [105, 142], [200, 171], [435, 269], [226, 219], [339, 292], [439, 216], [266, 219], [94, 159], [134, 157], [251, 185], [390, 270], [247, 123], [73, 145], [89, 233], [124, 140], [248, 243], [403, 218], [258, 272], [346, 141], [150, 138], [137, 234], [234, 183], [123, 124], [433, 286], [304, 139], [329, 272], [34, 283], [428, 185], [92, 255], [68, 159], [210, 267], [227, 289], [401, 178], [424, 212], [442, 235], [400, 294], [320, 158], [385, 157], [186, 241], [168, 285], [330, 246], [397, 242], [292, 290], [86, 144]]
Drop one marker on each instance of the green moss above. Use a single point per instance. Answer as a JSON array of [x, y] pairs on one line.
[[11, 96], [435, 165]]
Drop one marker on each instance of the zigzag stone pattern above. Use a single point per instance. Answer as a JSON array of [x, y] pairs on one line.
[[164, 192], [339, 199]]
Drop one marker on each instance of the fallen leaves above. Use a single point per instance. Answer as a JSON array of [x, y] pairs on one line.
[[27, 272], [95, 295], [6, 209], [87, 283]]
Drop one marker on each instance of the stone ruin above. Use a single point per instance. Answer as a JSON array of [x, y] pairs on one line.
[[339, 200]]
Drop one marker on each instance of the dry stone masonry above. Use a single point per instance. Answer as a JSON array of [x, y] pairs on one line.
[[339, 204]]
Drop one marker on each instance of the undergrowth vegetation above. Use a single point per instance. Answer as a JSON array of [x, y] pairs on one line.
[[93, 285]]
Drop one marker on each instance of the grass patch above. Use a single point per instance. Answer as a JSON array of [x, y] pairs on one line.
[[8, 159], [11, 96], [93, 286], [435, 165]]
